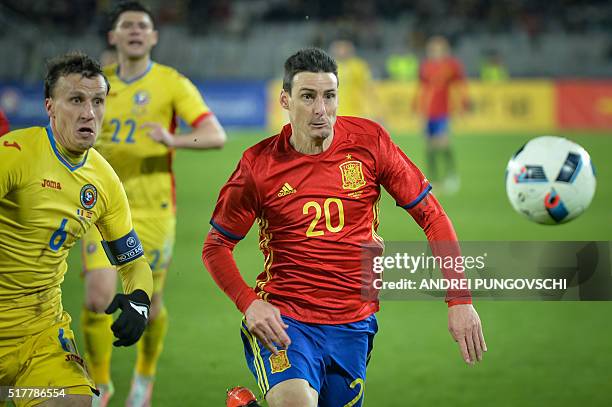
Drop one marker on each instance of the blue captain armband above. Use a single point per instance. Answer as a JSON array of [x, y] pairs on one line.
[[124, 249]]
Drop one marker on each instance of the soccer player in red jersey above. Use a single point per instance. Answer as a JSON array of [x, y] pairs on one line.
[[314, 190], [440, 75]]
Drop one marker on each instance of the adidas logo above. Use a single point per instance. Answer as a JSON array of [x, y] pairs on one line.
[[286, 190]]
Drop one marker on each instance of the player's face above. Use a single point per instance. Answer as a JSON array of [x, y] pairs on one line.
[[437, 48], [133, 36], [312, 104], [76, 109]]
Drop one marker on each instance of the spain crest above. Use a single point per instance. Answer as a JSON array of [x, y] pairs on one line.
[[352, 175], [279, 363]]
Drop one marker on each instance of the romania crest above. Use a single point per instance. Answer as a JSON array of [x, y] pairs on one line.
[[279, 363], [141, 97], [89, 196], [352, 175]]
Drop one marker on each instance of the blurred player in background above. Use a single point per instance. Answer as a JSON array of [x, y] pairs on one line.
[[441, 83], [4, 123], [356, 92], [403, 64], [314, 190], [492, 68], [137, 140], [53, 188]]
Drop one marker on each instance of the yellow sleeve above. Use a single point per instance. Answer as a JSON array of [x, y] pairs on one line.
[[136, 275], [115, 224], [188, 102], [13, 161]]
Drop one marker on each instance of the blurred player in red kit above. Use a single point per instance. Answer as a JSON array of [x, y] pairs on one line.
[[441, 78], [4, 123], [314, 190]]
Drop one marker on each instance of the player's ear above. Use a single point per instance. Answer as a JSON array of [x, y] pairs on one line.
[[284, 99], [110, 37], [49, 107], [154, 38]]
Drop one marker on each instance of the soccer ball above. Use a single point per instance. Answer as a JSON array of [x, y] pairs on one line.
[[550, 180]]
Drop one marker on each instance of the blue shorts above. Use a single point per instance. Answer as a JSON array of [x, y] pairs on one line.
[[437, 127], [331, 358]]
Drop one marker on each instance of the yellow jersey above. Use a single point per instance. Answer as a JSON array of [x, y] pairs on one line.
[[47, 202], [354, 88], [144, 166]]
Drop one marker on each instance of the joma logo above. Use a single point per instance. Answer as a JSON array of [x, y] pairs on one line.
[[47, 183]]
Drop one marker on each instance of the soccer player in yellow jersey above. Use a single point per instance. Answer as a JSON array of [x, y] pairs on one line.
[[137, 140], [53, 188], [355, 79]]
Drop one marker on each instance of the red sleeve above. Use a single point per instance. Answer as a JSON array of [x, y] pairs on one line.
[[442, 239], [398, 175], [4, 124], [218, 259], [459, 71], [237, 206], [422, 73]]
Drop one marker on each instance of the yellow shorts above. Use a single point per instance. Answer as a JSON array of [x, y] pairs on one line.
[[157, 237], [46, 363]]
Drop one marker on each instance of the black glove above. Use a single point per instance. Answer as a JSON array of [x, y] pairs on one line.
[[132, 321]]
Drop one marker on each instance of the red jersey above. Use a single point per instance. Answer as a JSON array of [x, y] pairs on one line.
[[437, 78], [315, 214]]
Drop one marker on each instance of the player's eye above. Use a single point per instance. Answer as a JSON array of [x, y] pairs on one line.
[[143, 26], [98, 101], [330, 96], [75, 99], [307, 96]]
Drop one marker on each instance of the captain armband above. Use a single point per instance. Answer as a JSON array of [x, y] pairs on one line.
[[124, 249]]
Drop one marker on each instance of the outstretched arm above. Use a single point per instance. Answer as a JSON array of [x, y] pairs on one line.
[[463, 320], [207, 134]]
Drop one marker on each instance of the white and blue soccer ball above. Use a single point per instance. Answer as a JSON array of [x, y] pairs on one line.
[[550, 180]]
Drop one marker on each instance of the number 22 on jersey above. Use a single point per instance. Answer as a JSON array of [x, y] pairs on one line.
[[125, 129]]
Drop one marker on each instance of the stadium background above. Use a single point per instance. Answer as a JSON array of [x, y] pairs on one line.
[[559, 57]]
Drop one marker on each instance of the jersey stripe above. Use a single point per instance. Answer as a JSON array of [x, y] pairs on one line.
[[376, 221], [200, 118], [264, 240], [172, 181], [134, 79], [60, 157], [225, 232], [418, 198]]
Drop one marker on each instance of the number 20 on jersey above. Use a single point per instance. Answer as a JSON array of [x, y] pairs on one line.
[[334, 223]]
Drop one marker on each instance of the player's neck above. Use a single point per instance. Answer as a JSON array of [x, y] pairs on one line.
[[132, 68], [308, 145], [74, 157]]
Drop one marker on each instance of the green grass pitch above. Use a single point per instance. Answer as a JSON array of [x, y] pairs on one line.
[[540, 353]]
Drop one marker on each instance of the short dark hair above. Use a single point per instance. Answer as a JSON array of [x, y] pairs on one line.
[[72, 62], [124, 6], [308, 60]]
